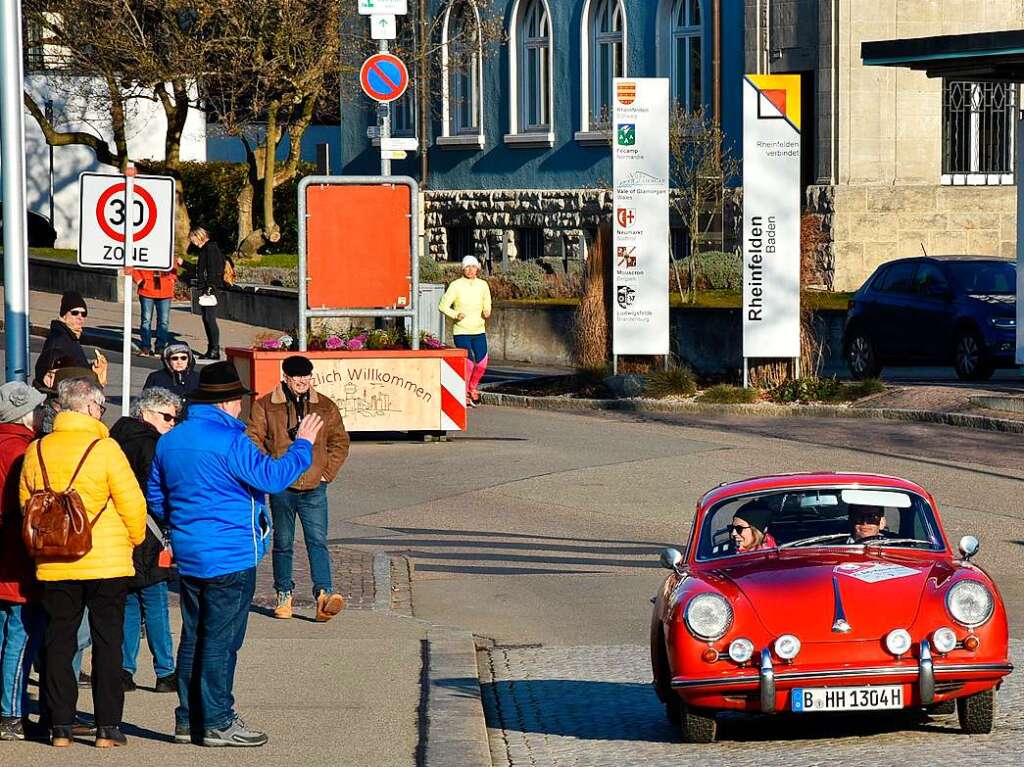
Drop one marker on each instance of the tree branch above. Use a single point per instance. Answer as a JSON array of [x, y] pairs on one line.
[[69, 138]]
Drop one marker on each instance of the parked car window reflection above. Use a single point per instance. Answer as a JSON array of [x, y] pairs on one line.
[[899, 278], [984, 277], [930, 281]]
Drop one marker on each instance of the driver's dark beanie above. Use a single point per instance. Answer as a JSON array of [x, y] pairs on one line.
[[71, 299], [755, 516]]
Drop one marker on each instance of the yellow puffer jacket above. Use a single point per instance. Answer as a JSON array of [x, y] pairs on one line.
[[106, 483]]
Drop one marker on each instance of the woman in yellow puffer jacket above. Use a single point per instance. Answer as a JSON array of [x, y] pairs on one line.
[[98, 580]]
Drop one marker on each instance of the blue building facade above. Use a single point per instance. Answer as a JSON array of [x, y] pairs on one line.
[[519, 151]]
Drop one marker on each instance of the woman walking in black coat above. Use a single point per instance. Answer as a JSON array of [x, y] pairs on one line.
[[153, 413], [210, 276]]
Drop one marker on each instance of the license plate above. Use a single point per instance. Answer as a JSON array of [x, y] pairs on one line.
[[805, 699]]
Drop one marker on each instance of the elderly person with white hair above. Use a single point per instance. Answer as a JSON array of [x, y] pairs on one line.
[[153, 413], [468, 301]]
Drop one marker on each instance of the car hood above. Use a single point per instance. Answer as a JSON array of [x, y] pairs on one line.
[[796, 592]]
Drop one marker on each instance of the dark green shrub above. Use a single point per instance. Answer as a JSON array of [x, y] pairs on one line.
[[674, 381], [824, 390], [721, 270], [430, 270], [520, 279], [727, 394]]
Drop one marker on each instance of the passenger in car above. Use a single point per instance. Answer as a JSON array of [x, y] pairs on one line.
[[749, 529], [867, 523]]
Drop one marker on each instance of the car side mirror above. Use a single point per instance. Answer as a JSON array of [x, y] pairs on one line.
[[968, 547], [671, 559]]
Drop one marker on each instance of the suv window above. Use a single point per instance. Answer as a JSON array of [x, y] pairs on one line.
[[899, 278], [930, 281]]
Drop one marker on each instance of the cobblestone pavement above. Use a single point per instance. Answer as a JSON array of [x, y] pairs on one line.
[[352, 571], [594, 706]]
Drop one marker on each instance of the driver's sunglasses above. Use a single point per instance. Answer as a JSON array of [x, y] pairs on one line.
[[78, 313], [738, 529], [178, 358], [859, 518]]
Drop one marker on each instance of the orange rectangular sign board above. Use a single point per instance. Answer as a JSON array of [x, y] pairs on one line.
[[359, 246]]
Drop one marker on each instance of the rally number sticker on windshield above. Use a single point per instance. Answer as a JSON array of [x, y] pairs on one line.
[[875, 572]]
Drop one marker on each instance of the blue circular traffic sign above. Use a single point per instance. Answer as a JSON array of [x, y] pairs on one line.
[[384, 77]]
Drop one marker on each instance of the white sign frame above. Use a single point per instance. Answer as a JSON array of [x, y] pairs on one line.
[[771, 218], [101, 243], [383, 26], [640, 172], [383, 7]]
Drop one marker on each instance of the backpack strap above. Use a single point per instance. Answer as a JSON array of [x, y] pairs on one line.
[[78, 468], [42, 465]]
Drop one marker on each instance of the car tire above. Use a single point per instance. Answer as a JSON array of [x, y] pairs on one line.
[[698, 725], [976, 712], [970, 358], [861, 358], [943, 708], [674, 710]]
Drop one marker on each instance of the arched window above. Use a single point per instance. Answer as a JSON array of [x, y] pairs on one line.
[[530, 69], [603, 45], [686, 68], [461, 57]]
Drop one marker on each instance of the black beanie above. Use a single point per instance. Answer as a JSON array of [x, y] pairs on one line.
[[71, 299], [297, 365], [755, 515]]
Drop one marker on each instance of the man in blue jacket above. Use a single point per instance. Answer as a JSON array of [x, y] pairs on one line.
[[208, 483]]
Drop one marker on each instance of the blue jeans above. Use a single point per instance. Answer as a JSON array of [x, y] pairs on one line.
[[214, 615], [163, 319], [311, 508], [84, 642], [151, 602], [18, 625]]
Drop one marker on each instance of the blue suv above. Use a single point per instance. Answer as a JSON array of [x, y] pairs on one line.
[[934, 311]]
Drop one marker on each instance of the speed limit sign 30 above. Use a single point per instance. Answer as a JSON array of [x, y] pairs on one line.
[[103, 217]]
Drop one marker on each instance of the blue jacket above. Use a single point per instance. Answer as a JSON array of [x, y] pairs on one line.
[[208, 483]]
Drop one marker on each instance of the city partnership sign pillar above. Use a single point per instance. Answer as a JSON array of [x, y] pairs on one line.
[[641, 225], [771, 218]]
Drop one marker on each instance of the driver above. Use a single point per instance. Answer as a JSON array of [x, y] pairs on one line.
[[867, 523]]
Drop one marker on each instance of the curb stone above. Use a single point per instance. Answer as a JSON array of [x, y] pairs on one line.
[[640, 405]]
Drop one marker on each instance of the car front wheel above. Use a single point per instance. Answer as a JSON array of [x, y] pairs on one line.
[[976, 712], [861, 357], [969, 357]]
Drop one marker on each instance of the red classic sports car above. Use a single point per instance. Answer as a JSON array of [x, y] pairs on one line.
[[825, 592]]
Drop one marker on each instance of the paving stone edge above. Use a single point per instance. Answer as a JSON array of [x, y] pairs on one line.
[[639, 405]]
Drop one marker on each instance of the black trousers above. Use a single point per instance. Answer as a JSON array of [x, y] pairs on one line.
[[64, 602], [210, 323]]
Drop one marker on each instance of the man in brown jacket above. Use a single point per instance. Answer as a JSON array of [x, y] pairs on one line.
[[272, 425]]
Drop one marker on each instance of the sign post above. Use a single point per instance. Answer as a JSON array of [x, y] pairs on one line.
[[640, 162], [124, 222], [384, 77], [771, 219]]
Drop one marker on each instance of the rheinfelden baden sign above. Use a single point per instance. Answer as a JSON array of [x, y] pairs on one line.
[[771, 216]]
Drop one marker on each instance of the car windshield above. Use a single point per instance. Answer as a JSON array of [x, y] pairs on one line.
[[823, 516], [984, 277]]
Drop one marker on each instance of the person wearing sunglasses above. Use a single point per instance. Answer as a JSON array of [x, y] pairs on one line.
[[867, 523], [63, 339], [749, 529], [179, 372], [153, 413]]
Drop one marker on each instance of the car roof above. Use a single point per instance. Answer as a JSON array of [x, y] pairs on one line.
[[807, 479], [982, 259]]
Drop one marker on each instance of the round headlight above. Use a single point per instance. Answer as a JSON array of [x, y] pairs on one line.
[[708, 616], [970, 603], [898, 641], [787, 646], [944, 639], [741, 650]]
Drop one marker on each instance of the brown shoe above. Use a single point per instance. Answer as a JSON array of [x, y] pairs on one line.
[[328, 605], [60, 737], [283, 610]]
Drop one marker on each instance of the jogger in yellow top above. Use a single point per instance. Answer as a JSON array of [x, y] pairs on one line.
[[468, 302]]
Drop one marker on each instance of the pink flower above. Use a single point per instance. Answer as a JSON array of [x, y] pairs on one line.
[[356, 343], [270, 344], [334, 343]]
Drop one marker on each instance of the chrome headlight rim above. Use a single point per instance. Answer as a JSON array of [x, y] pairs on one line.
[[906, 641], [780, 642], [951, 607], [708, 636]]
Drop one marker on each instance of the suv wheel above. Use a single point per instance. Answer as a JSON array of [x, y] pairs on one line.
[[970, 358], [861, 357]]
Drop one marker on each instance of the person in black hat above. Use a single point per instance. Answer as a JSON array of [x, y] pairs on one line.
[[207, 486], [749, 528], [273, 423], [62, 340]]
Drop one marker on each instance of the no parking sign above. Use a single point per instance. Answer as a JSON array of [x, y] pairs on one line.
[[384, 77], [103, 215]]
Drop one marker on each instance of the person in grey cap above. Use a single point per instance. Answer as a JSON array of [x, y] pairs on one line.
[[20, 616], [272, 425], [179, 373]]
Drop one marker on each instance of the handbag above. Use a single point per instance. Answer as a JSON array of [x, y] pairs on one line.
[[208, 299]]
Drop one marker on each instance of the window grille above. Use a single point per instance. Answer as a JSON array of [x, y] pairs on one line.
[[530, 243], [978, 137]]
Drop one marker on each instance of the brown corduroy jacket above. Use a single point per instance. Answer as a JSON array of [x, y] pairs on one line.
[[272, 415]]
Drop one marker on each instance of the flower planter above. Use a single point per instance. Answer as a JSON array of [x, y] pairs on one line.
[[394, 390]]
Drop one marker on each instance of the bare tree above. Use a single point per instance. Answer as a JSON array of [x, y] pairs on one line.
[[702, 164]]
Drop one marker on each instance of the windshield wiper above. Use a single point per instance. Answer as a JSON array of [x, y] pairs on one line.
[[815, 539], [891, 541]]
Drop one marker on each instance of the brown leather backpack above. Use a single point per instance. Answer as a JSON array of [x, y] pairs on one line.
[[56, 524]]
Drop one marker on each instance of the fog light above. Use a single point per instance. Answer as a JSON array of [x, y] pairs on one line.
[[944, 639], [898, 641], [787, 646], [710, 655], [741, 650], [972, 643]]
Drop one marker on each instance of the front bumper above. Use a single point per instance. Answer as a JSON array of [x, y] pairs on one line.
[[768, 681]]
